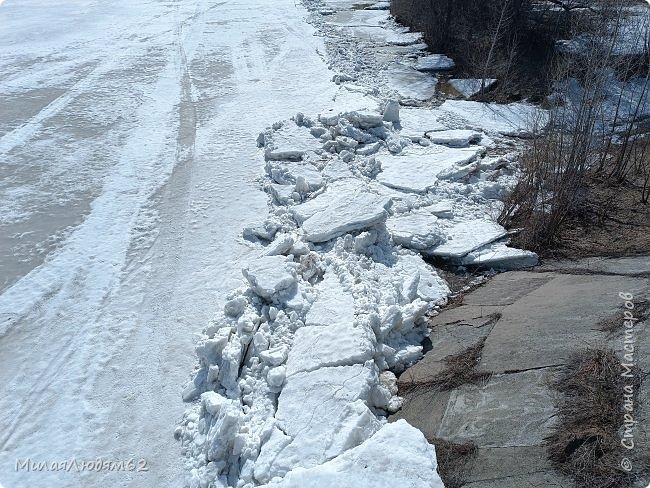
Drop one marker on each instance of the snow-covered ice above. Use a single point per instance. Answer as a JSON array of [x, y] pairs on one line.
[[500, 256], [346, 205], [379, 461], [514, 119], [417, 170], [409, 83], [454, 137], [434, 62], [157, 135], [464, 237]]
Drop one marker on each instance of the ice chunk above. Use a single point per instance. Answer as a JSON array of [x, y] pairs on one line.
[[415, 230], [269, 275], [290, 142], [464, 237], [275, 356], [276, 376], [418, 170], [513, 119], [391, 111], [421, 120], [345, 206], [454, 137], [410, 83], [281, 245], [434, 62], [471, 86], [443, 210], [289, 172], [323, 414], [500, 256], [396, 455], [338, 344], [282, 194]]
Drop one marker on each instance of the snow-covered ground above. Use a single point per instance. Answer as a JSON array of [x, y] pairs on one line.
[[133, 210]]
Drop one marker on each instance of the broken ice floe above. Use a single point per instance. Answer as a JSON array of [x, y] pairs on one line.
[[337, 301], [345, 206], [513, 119], [397, 451], [434, 62], [454, 137], [471, 86], [464, 237], [419, 170]]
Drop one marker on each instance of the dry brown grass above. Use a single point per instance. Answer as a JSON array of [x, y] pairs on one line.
[[614, 323], [453, 459], [585, 442], [460, 369]]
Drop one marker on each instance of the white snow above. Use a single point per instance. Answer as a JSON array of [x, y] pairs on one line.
[[158, 134]]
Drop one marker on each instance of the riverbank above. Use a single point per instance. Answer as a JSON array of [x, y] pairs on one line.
[[518, 333]]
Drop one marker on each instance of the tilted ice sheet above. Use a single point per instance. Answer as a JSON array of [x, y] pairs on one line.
[[464, 237], [377, 463], [417, 170], [513, 119], [346, 205]]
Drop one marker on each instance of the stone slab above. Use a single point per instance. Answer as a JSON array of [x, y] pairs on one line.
[[506, 288], [553, 321], [510, 410]]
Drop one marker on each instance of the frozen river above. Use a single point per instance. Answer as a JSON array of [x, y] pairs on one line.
[[127, 170]]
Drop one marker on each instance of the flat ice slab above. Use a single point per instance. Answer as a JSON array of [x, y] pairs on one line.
[[417, 170], [345, 206], [331, 337], [410, 83], [464, 237], [435, 62], [397, 455], [471, 86], [418, 121], [500, 256], [513, 119], [320, 414], [455, 137]]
